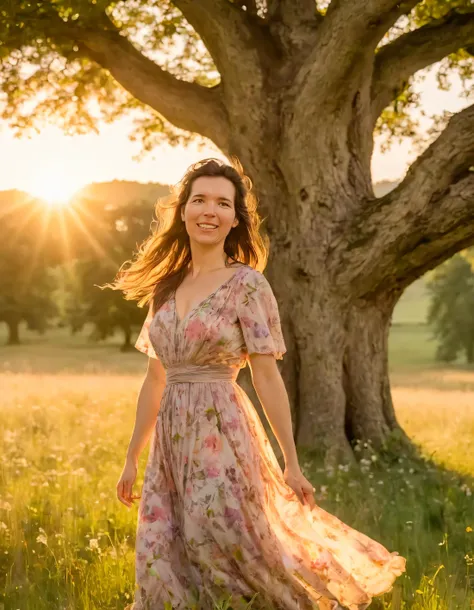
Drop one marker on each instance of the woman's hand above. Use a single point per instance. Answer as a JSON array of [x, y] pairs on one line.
[[295, 479], [125, 483]]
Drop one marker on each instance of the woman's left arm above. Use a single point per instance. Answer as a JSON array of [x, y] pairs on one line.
[[271, 392]]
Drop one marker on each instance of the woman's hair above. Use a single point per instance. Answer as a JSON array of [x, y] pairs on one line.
[[162, 259]]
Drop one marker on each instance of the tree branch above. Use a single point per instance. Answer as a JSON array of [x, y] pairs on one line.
[[427, 218], [186, 105], [350, 30], [448, 228], [236, 42], [397, 61]]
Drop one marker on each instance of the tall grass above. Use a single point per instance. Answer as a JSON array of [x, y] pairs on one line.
[[66, 543]]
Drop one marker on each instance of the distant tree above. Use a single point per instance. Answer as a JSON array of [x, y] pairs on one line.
[[92, 237], [115, 238], [26, 279], [106, 310], [451, 311]]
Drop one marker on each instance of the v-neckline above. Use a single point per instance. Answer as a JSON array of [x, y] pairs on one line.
[[179, 322]]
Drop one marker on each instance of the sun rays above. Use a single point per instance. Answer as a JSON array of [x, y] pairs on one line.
[[54, 183]]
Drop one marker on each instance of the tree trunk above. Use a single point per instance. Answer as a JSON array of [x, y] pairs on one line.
[[127, 342], [470, 352], [370, 415], [336, 367], [13, 332]]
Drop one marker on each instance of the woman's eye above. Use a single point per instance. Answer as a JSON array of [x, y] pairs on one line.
[[200, 200]]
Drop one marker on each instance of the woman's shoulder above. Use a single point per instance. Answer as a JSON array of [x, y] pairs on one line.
[[251, 277]]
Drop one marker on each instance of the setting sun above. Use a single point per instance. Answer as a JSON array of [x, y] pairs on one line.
[[55, 184]]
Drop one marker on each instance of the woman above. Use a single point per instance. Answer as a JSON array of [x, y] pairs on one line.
[[217, 518]]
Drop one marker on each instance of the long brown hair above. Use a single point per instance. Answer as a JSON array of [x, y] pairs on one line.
[[161, 262]]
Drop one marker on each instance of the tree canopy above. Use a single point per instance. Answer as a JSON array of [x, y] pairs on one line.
[[81, 60], [451, 309]]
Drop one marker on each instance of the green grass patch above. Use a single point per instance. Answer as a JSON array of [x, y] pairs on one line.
[[67, 410]]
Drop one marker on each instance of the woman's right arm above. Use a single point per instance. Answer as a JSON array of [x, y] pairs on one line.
[[148, 405]]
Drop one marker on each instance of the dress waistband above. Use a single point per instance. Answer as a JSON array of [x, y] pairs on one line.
[[183, 373]]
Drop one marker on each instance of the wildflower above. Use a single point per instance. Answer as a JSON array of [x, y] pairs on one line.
[[468, 528], [42, 537], [94, 544]]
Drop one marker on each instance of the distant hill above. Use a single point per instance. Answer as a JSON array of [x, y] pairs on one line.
[[118, 191], [14, 198], [123, 191]]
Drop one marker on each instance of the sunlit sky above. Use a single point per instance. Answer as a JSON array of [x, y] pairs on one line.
[[51, 164]]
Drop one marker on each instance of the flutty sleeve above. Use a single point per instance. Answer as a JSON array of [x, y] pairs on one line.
[[257, 310], [143, 342]]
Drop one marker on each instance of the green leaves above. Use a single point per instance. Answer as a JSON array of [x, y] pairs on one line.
[[50, 74], [450, 313]]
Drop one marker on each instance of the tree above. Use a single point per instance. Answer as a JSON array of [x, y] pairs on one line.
[[115, 232], [26, 279], [451, 309], [296, 92], [105, 309]]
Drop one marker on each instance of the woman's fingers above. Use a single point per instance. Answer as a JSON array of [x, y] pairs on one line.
[[125, 492], [299, 493], [121, 493], [310, 499]]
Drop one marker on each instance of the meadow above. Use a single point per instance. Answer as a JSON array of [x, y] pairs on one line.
[[67, 410]]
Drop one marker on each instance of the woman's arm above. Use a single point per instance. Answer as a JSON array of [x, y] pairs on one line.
[[149, 400], [148, 405], [271, 392], [273, 397]]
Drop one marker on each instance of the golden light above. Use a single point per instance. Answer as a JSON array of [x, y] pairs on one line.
[[55, 183]]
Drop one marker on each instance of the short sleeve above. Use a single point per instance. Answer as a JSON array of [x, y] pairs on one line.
[[259, 318], [143, 343]]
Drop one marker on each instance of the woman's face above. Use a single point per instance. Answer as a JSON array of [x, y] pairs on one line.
[[211, 202]]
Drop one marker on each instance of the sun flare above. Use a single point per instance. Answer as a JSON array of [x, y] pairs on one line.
[[55, 184]]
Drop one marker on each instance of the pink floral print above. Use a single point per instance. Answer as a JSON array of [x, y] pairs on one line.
[[216, 518]]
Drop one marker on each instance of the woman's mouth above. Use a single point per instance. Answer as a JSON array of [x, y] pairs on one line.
[[206, 227]]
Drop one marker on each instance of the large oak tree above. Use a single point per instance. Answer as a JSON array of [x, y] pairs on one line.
[[297, 91]]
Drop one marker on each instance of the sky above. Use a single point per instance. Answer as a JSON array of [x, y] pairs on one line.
[[54, 166]]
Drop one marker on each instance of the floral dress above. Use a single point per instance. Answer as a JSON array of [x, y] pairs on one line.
[[216, 519]]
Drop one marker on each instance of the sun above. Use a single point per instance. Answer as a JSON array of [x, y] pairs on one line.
[[55, 184]]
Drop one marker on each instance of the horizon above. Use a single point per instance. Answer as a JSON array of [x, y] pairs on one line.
[[150, 183]]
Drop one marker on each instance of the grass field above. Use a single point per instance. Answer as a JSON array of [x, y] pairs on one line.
[[67, 410]]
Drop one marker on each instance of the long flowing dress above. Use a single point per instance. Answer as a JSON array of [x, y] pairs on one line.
[[216, 519]]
